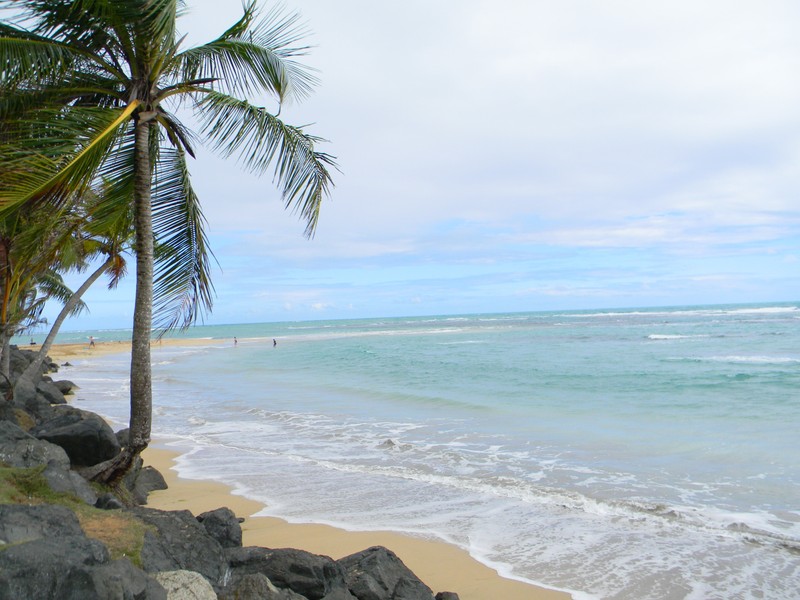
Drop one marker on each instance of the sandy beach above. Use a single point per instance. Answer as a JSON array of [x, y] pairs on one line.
[[441, 566]]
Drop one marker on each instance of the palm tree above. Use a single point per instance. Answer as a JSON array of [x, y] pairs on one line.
[[105, 78], [97, 234], [30, 265]]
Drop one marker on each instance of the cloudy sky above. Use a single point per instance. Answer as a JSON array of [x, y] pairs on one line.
[[516, 155]]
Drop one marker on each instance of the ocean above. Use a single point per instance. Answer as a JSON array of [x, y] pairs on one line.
[[616, 454]]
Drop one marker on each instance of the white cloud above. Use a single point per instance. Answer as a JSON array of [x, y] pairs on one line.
[[492, 136]]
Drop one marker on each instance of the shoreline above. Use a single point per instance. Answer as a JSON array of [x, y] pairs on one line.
[[441, 565]]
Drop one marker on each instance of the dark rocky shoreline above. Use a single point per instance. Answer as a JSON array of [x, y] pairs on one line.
[[46, 552]]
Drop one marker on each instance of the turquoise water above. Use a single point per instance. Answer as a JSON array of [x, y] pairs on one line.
[[616, 454]]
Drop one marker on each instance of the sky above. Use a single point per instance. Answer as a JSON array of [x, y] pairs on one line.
[[518, 155]]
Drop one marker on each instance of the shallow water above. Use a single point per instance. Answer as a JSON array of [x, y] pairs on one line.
[[616, 454]]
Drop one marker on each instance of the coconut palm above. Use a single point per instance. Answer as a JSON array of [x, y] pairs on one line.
[[99, 83], [30, 265], [95, 236]]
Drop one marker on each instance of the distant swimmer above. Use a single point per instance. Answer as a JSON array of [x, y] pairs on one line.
[[274, 342]]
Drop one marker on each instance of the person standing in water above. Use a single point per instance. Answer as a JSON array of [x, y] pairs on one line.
[[274, 342]]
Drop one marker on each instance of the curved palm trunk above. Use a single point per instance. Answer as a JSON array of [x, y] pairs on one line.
[[141, 378], [33, 368]]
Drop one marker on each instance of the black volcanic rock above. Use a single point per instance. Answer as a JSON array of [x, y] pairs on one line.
[[377, 574], [23, 523], [223, 526], [313, 576], [180, 543], [65, 386], [50, 392], [71, 567], [86, 438], [20, 449]]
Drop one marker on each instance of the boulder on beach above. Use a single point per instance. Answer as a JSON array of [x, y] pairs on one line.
[[223, 525], [180, 543], [86, 438], [51, 392], [20, 449], [72, 566], [65, 386], [313, 576], [46, 554], [185, 585], [377, 573]]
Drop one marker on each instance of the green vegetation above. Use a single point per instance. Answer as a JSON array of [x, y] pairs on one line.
[[122, 533], [28, 486]]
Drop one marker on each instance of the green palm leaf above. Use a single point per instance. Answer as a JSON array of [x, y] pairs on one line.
[[182, 283], [261, 139], [62, 157], [253, 57]]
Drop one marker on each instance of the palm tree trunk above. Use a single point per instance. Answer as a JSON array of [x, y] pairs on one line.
[[5, 337], [141, 378], [32, 369], [141, 416]]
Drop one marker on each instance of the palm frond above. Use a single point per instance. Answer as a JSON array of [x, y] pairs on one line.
[[182, 288], [62, 157], [253, 57], [117, 271], [35, 60], [52, 286], [178, 135], [260, 138]]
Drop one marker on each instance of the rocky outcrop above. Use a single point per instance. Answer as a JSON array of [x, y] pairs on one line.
[[20, 449], [310, 575], [377, 573], [185, 585], [222, 525], [180, 543], [22, 523], [66, 481], [85, 437], [28, 398], [20, 359], [72, 567], [50, 392], [45, 554], [141, 480]]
